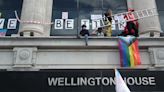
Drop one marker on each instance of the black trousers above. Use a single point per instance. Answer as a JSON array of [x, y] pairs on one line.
[[130, 26]]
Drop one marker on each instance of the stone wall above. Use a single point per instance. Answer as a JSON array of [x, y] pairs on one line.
[[71, 53]]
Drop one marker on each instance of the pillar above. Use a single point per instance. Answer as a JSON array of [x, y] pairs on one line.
[[49, 11], [39, 11], [149, 24]]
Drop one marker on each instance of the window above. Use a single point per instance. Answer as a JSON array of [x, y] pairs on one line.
[[64, 27], [79, 12], [161, 12], [7, 8], [117, 6]]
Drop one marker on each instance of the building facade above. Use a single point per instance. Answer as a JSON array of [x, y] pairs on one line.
[[40, 56]]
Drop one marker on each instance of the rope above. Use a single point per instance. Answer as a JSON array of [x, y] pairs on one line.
[[31, 22]]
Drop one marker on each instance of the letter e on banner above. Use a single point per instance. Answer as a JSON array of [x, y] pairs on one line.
[[12, 23], [69, 24]]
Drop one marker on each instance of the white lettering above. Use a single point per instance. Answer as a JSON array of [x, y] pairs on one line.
[[138, 81], [12, 23], [121, 21], [91, 81], [105, 81], [145, 81], [52, 81], [83, 81], [61, 81], [2, 21], [130, 81], [58, 24], [112, 81], [73, 82], [86, 22], [69, 24], [98, 81], [152, 80], [95, 24], [66, 82], [113, 25]]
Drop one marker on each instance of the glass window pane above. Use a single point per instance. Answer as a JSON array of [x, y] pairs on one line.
[[9, 4], [85, 18], [86, 10], [160, 7], [7, 8], [82, 11], [64, 4], [92, 4], [60, 6], [115, 4]]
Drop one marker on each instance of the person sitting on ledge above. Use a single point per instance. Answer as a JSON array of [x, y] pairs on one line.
[[99, 32], [84, 31]]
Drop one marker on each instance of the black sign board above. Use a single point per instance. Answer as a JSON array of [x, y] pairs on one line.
[[86, 80]]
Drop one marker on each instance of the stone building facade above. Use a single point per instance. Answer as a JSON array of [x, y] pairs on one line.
[[45, 52]]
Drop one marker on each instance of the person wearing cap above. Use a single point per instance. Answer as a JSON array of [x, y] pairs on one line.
[[84, 31], [132, 25]]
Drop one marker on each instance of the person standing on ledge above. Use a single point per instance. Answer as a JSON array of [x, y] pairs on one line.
[[132, 25], [108, 21]]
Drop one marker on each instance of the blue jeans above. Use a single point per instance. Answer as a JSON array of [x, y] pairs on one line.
[[86, 40]]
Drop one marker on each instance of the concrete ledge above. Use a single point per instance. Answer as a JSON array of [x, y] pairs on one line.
[[72, 42], [71, 52]]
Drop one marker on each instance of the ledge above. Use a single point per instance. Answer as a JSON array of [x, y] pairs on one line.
[[100, 52], [73, 42]]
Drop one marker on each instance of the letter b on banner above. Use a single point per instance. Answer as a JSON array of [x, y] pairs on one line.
[[58, 24]]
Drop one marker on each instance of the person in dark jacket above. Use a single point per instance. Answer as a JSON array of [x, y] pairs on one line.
[[132, 25], [84, 31]]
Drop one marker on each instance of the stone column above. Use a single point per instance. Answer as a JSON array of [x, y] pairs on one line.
[[49, 11], [36, 11], [149, 24]]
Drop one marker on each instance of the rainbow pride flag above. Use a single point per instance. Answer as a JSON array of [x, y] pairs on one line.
[[3, 32], [129, 51]]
